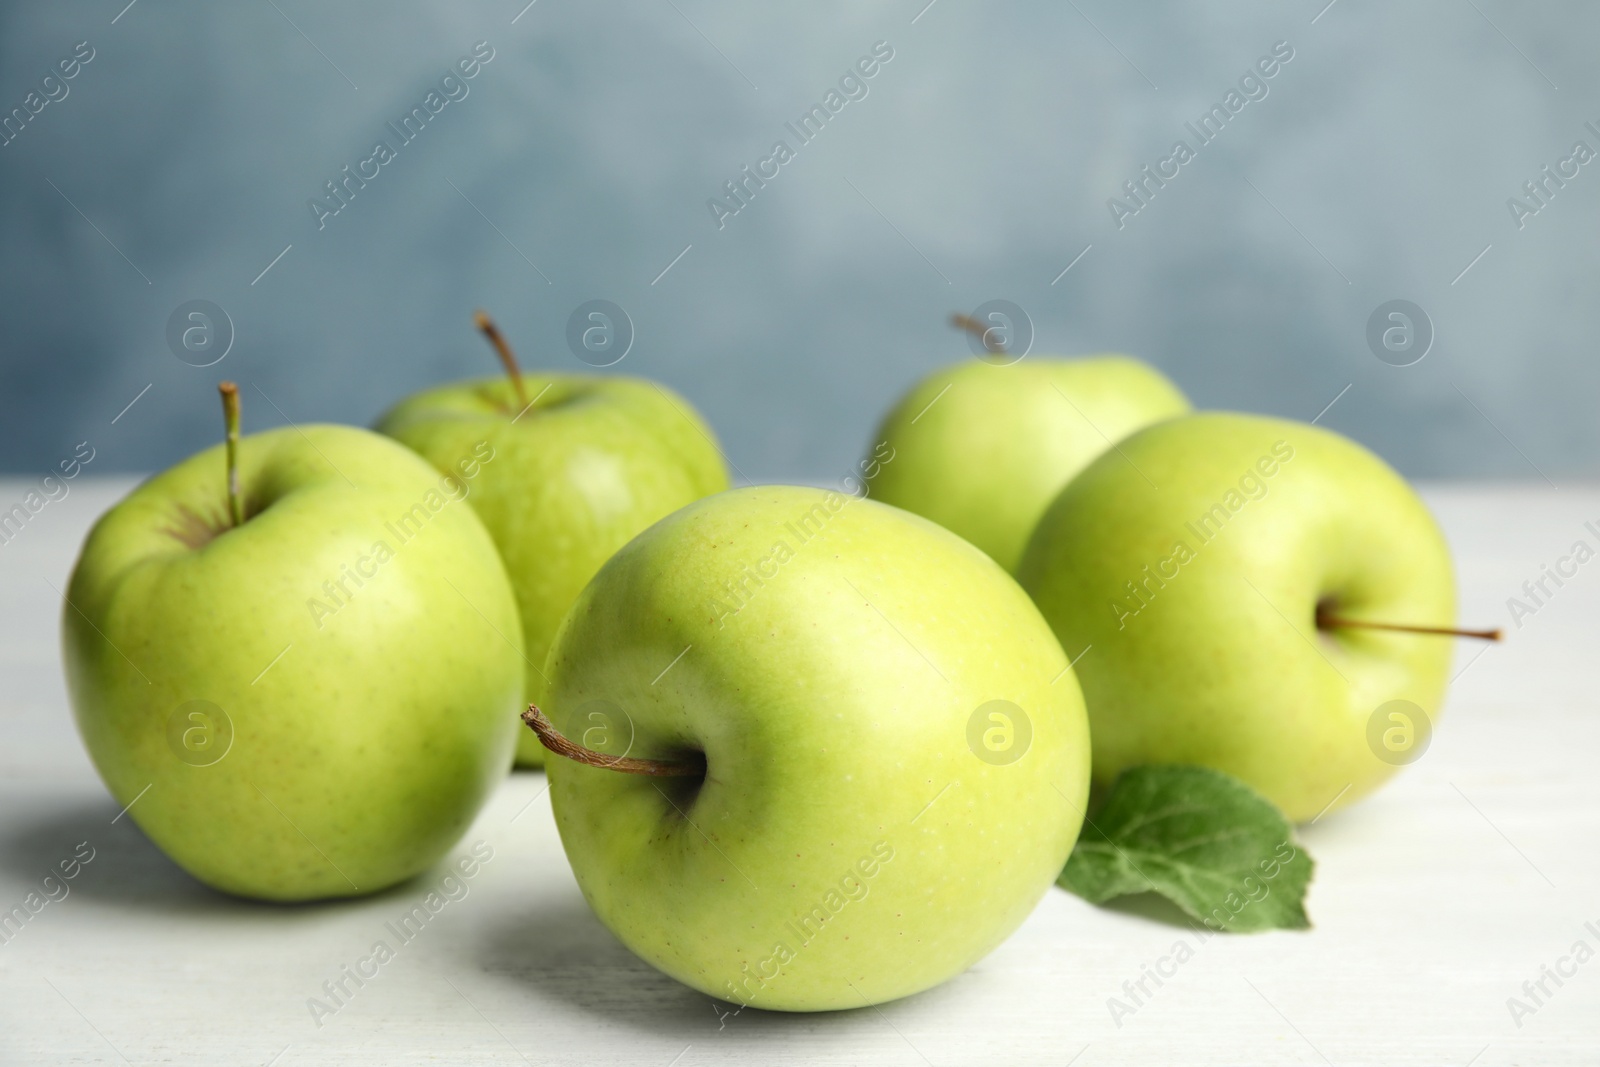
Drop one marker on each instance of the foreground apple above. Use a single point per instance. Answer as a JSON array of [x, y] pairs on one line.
[[982, 448], [303, 689], [1230, 583], [583, 463], [882, 756]]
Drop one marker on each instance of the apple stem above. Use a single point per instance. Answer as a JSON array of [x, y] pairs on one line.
[[514, 372], [1327, 620], [552, 739], [978, 330], [230, 419]]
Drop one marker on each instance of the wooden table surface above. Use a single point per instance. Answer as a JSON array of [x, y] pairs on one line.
[[1433, 903]]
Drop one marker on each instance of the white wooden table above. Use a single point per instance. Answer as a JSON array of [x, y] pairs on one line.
[[1433, 902]]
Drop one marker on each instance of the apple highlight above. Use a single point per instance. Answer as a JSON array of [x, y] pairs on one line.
[[1252, 485], [364, 568], [752, 578]]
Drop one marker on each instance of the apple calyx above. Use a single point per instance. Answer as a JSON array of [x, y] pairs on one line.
[[507, 358], [230, 420], [1327, 620], [978, 330], [553, 740]]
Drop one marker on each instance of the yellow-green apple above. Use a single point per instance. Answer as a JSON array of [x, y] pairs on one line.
[[884, 752], [583, 463], [982, 447], [312, 699], [1231, 584]]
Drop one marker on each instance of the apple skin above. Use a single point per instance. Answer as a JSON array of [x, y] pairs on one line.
[[837, 755], [1210, 671], [988, 456], [596, 460], [363, 754]]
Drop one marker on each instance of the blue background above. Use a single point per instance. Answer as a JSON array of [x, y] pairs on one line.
[[977, 167]]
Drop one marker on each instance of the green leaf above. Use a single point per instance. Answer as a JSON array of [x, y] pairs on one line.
[[1200, 838]]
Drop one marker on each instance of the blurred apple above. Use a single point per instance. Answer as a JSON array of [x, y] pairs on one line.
[[982, 447], [582, 464]]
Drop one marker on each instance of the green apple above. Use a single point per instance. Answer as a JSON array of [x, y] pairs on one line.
[[893, 751], [593, 460], [314, 702], [1215, 575], [982, 448]]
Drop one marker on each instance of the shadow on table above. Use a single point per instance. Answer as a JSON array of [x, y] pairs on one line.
[[563, 954], [125, 866], [128, 871]]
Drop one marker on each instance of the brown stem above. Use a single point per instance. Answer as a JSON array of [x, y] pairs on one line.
[[230, 419], [552, 739], [978, 330], [1327, 620], [514, 372]]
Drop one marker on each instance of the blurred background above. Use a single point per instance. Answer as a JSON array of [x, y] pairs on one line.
[[984, 159]]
